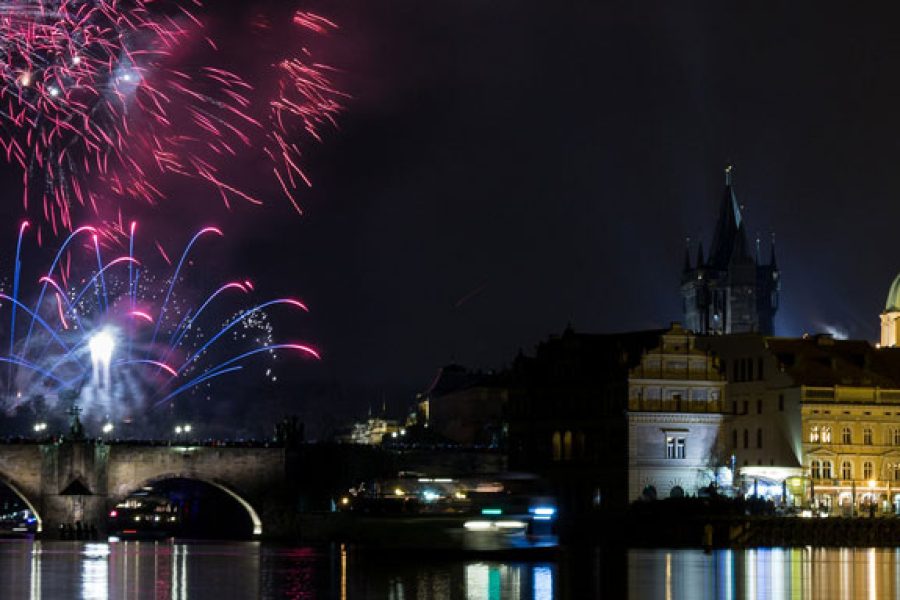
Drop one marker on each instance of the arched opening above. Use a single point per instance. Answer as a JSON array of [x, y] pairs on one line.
[[176, 506], [17, 513]]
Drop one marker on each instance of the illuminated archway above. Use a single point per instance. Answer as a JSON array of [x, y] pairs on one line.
[[8, 483], [251, 512]]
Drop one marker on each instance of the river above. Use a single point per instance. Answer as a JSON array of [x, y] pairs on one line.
[[53, 570]]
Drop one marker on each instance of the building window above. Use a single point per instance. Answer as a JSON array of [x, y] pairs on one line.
[[734, 438], [867, 470], [759, 406], [567, 445], [557, 446], [814, 470], [759, 367], [897, 473], [826, 469], [846, 436], [675, 447], [759, 438], [746, 439], [746, 407], [734, 406], [781, 402], [580, 444], [897, 437], [749, 369], [846, 470], [814, 434], [867, 437], [826, 434]]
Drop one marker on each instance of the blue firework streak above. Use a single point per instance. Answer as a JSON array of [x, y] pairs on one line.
[[108, 334]]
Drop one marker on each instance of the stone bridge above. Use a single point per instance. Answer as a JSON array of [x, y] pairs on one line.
[[82, 480]]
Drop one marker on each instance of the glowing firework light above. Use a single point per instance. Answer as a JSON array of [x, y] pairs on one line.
[[96, 105], [117, 341]]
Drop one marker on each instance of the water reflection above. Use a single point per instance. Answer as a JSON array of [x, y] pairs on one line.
[[777, 573], [159, 570]]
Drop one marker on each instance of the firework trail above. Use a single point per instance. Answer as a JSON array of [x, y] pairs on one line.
[[116, 340], [99, 99]]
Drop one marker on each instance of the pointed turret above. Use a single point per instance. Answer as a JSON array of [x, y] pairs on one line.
[[700, 262], [687, 254], [728, 225]]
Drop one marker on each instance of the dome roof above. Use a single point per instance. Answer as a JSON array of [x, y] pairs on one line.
[[893, 299]]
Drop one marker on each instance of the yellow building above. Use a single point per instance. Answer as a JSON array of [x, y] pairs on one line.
[[852, 446]]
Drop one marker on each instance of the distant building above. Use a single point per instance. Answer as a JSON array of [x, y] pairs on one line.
[[731, 290], [372, 431], [466, 407], [676, 401]]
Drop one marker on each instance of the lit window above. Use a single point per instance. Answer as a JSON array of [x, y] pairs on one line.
[[826, 434], [867, 470], [846, 470], [675, 447], [814, 470], [896, 473], [814, 434], [867, 437], [846, 436]]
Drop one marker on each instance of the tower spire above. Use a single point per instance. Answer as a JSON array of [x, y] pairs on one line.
[[700, 255], [687, 254], [728, 170], [772, 262]]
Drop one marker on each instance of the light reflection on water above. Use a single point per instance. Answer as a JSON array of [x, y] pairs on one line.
[[776, 573], [135, 570]]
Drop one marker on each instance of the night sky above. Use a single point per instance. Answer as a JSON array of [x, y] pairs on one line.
[[505, 168]]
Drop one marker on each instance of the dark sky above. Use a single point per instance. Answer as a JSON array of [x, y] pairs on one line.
[[505, 168]]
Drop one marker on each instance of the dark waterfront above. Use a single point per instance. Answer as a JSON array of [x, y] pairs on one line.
[[195, 571]]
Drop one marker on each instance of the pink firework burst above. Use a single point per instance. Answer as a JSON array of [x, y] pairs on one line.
[[98, 104]]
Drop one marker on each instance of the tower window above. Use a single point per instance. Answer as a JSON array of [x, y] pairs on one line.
[[814, 434], [826, 434]]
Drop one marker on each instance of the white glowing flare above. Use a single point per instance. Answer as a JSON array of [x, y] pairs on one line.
[[101, 346]]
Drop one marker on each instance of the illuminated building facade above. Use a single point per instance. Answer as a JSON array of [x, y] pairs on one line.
[[731, 290], [676, 401]]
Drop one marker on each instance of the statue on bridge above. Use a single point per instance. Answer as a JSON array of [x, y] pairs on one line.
[[76, 429]]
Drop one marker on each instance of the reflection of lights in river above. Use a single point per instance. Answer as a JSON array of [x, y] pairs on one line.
[[95, 572]]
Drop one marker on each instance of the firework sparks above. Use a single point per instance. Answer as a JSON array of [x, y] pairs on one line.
[[93, 97], [119, 341]]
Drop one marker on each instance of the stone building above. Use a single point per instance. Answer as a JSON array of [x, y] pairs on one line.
[[566, 415], [676, 401], [731, 290]]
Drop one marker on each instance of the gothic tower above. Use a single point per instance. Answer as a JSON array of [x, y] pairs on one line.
[[731, 290]]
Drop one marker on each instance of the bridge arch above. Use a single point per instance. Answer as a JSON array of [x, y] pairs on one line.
[[5, 480], [224, 487]]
